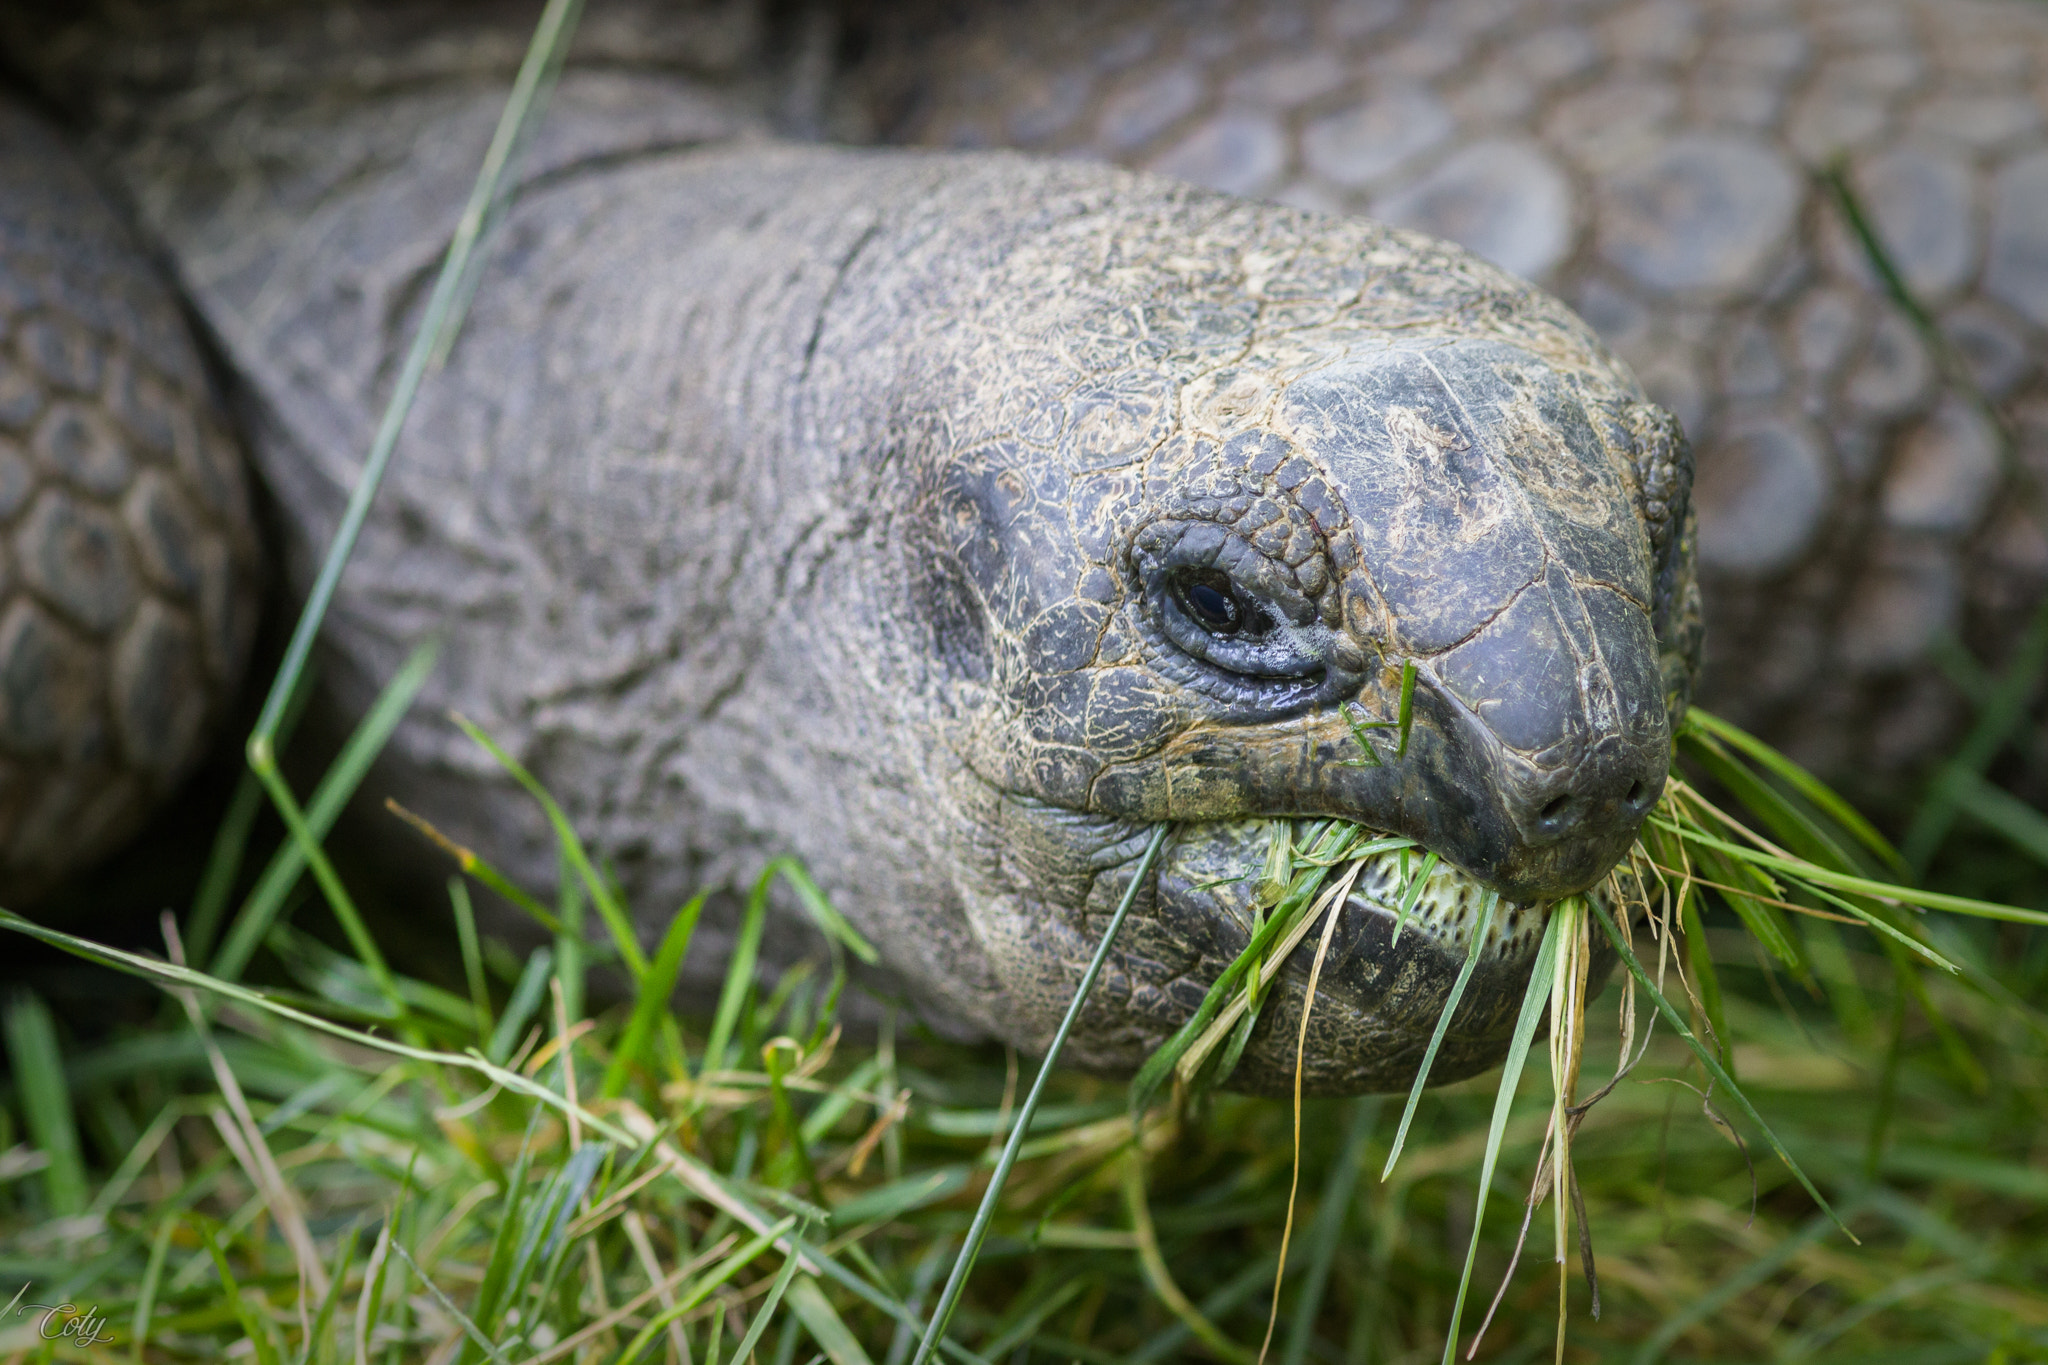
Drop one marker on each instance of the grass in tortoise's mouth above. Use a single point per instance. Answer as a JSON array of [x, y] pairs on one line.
[[1817, 856], [1310, 868]]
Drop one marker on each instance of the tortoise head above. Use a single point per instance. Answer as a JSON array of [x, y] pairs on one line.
[[1442, 519], [1349, 525]]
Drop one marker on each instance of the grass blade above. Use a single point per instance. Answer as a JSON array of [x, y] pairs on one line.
[[766, 1313], [1278, 873], [887, 1202], [775, 1059], [1233, 1049], [1361, 734], [370, 1300], [1822, 797], [472, 957], [651, 996], [38, 1065], [1413, 893], [570, 940], [323, 1318], [491, 1349], [329, 881], [152, 1276], [254, 1329], [1160, 1278], [1700, 960], [1877, 924], [520, 1009], [1749, 894], [223, 865], [1534, 1001], [468, 862], [1405, 718], [231, 840], [339, 783], [2001, 717], [1443, 1027], [2024, 827], [830, 922], [1797, 830], [1862, 886], [1711, 1063], [574, 855], [949, 1297], [921, 1281], [1331, 914], [1326, 1233], [445, 310], [739, 975], [824, 1324]]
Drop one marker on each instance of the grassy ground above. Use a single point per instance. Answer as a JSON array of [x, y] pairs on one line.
[[464, 1169]]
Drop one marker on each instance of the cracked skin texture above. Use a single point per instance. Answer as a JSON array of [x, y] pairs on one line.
[[850, 509], [1867, 490]]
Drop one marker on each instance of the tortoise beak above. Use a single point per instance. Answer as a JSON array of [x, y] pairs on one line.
[[1538, 746], [1558, 706], [1501, 545]]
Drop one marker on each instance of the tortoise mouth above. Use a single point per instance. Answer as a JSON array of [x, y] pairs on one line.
[[1420, 901], [1429, 896], [1401, 937]]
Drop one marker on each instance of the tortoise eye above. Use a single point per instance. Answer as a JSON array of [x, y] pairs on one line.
[[1208, 599], [1216, 604]]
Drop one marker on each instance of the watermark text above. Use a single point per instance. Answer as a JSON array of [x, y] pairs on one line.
[[83, 1327]]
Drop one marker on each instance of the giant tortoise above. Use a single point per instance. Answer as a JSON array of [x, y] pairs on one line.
[[949, 518]]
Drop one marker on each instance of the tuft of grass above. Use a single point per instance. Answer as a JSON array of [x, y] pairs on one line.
[[44, 1099], [1815, 857], [467, 1174]]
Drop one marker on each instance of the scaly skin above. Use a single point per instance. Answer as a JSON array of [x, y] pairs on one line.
[[127, 556], [1652, 162]]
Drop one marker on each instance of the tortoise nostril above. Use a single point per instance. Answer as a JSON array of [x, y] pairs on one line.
[[1555, 807], [1635, 792]]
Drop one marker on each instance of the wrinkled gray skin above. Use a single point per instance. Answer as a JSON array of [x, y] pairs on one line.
[[854, 505]]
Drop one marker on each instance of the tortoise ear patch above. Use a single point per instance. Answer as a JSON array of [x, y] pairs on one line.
[[959, 633]]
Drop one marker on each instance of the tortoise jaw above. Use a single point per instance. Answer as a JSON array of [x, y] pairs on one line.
[[1532, 825], [1042, 898]]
